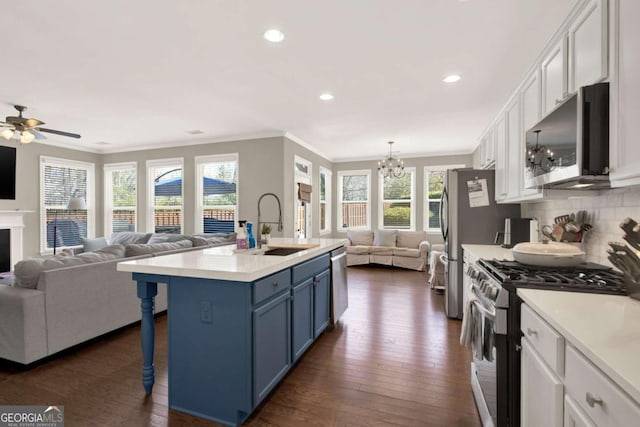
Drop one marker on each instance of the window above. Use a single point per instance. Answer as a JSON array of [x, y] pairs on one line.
[[302, 213], [354, 194], [397, 207], [325, 201], [62, 180], [434, 185], [165, 201], [217, 195], [120, 197]]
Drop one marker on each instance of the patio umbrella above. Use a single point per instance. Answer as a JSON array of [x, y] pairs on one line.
[[173, 187]]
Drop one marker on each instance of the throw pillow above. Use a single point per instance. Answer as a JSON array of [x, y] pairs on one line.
[[127, 237], [90, 245], [105, 254], [165, 237], [218, 239], [411, 239], [384, 238], [151, 248], [360, 237]]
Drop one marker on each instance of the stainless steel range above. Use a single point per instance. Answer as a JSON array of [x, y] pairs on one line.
[[495, 370]]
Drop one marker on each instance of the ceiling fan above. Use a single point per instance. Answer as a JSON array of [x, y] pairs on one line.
[[25, 129]]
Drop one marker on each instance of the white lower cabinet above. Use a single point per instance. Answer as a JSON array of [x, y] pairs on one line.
[[599, 397], [574, 416], [542, 391], [560, 386]]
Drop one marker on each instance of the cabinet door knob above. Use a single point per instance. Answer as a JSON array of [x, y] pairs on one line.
[[532, 332], [592, 400], [275, 284]]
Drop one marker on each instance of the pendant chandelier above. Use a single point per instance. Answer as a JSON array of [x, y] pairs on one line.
[[540, 157], [391, 166]]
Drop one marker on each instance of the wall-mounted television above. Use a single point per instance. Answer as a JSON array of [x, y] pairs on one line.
[[7, 173]]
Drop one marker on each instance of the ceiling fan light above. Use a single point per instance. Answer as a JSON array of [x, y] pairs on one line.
[[26, 137], [7, 133]]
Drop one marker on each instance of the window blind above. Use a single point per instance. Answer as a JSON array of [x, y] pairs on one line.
[[61, 182]]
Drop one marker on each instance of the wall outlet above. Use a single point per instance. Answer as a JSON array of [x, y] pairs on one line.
[[205, 312]]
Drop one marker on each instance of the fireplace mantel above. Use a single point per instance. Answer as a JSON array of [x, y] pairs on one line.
[[14, 221]]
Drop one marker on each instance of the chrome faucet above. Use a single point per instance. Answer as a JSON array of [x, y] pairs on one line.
[[259, 230]]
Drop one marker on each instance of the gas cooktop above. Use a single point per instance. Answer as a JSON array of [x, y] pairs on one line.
[[587, 277]]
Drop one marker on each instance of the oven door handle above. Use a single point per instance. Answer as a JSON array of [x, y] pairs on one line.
[[485, 312]]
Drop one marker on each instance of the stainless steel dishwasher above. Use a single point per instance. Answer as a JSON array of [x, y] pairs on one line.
[[339, 288]]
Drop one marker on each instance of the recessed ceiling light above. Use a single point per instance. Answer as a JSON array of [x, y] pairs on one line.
[[326, 96], [274, 35], [452, 78], [194, 132], [103, 143]]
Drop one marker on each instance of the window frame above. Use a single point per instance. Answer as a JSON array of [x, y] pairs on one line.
[[305, 178], [340, 176], [200, 161], [425, 209], [177, 162], [89, 196], [108, 169], [381, 201], [328, 176]]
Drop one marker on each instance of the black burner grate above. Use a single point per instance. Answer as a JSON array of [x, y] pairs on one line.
[[587, 277]]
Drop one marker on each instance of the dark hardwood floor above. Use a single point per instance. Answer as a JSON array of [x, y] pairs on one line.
[[393, 359]]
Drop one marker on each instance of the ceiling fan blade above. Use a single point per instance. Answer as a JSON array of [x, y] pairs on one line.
[[32, 123], [38, 135], [58, 132]]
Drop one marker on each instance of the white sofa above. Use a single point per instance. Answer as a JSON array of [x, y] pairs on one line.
[[406, 249], [60, 307]]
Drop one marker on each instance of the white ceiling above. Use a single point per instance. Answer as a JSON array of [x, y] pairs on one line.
[[141, 73]]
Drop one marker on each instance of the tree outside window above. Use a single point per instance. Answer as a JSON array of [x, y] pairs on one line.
[[397, 204], [354, 199]]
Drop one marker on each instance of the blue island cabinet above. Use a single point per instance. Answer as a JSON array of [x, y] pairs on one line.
[[310, 303], [230, 342]]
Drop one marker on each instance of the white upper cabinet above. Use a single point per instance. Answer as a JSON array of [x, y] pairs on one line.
[[578, 57], [487, 150], [588, 51], [530, 106], [501, 159], [515, 154], [554, 76], [625, 93]]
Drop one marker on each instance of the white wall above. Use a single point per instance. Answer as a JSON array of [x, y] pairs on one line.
[[607, 208]]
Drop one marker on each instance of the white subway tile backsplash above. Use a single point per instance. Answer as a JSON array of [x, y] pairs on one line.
[[606, 209]]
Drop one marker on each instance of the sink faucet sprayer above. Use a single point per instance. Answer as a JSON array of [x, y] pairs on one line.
[[259, 230]]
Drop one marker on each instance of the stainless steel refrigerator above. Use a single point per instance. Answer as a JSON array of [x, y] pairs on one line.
[[461, 223]]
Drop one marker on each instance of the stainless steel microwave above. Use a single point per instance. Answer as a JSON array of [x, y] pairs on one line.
[[569, 148]]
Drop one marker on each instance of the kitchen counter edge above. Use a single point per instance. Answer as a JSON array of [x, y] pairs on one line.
[[221, 263]]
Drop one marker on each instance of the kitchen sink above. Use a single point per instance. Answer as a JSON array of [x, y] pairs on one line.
[[283, 251], [278, 250]]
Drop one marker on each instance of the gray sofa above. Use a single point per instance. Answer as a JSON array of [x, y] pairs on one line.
[[58, 302]]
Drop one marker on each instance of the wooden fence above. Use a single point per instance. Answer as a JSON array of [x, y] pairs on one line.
[[354, 214]]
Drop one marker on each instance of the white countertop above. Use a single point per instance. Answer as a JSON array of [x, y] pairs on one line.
[[224, 263], [489, 252], [605, 328]]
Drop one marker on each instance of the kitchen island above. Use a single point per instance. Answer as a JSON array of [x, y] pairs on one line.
[[237, 321]]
